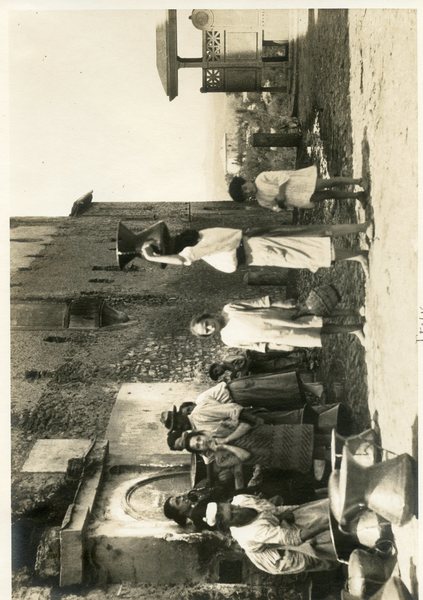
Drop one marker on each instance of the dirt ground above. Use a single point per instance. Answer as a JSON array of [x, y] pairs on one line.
[[386, 145], [366, 106]]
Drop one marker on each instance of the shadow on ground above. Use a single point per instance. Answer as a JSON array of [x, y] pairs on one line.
[[323, 107]]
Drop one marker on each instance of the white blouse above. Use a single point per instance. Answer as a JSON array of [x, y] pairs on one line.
[[267, 184], [255, 323], [217, 246], [266, 534]]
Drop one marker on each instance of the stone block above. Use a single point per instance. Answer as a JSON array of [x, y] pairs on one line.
[[72, 534], [52, 456], [132, 433], [90, 484], [47, 562], [72, 547]]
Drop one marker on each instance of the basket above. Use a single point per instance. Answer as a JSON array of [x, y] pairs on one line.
[[320, 301]]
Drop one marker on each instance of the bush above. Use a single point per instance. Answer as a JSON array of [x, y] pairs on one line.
[[256, 112]]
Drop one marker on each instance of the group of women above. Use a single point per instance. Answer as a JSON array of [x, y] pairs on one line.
[[279, 451], [282, 454]]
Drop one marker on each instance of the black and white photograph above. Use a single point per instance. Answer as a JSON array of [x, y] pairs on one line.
[[212, 301]]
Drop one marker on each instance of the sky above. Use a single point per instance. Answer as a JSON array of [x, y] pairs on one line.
[[87, 111]]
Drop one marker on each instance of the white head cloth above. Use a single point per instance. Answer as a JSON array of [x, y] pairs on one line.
[[211, 511]]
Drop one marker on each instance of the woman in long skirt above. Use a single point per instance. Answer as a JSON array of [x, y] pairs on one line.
[[293, 247], [285, 447]]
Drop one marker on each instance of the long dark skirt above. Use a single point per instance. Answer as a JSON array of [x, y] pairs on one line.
[[273, 361], [274, 391], [295, 488]]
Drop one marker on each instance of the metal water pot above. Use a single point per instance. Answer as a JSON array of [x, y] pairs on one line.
[[331, 416], [128, 243], [367, 572], [393, 589], [343, 543], [362, 446], [369, 528], [388, 488]]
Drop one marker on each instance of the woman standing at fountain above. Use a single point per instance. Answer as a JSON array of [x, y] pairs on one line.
[[293, 247]]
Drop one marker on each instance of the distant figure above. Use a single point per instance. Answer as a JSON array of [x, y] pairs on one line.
[[278, 190], [280, 540], [265, 324]]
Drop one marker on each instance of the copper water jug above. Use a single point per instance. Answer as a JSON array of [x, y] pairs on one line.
[[369, 528], [332, 416], [128, 243], [388, 488], [343, 543], [393, 589], [367, 572], [363, 446]]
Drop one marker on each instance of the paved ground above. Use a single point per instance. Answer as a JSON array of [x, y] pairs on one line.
[[367, 109]]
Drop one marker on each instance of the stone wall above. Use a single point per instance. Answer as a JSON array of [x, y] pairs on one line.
[[65, 382], [175, 592], [77, 259]]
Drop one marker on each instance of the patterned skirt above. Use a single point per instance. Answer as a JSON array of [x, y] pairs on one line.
[[286, 447], [300, 187]]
